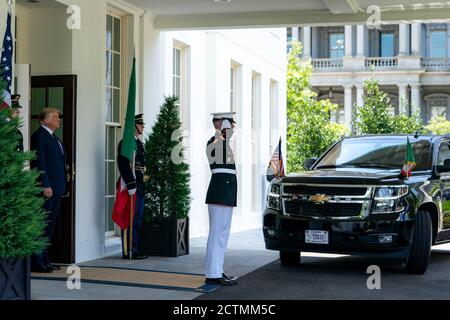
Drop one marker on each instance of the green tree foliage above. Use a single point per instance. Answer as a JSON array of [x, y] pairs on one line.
[[374, 117], [439, 125], [167, 190], [22, 219], [310, 131]]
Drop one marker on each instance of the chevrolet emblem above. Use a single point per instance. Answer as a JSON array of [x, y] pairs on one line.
[[319, 198]]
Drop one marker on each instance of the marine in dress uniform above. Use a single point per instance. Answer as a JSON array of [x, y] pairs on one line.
[[135, 184], [221, 198], [15, 113]]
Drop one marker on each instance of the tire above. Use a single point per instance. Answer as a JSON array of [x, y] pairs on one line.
[[289, 258], [419, 256]]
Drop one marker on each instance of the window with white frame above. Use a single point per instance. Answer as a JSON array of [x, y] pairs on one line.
[[438, 44], [178, 80], [232, 89], [387, 44], [274, 125], [336, 45], [437, 107], [113, 103], [255, 109]]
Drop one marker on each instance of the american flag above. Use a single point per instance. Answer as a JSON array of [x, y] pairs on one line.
[[6, 64], [277, 161]]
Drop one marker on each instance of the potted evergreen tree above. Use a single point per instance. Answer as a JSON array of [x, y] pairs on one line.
[[165, 230], [22, 219]]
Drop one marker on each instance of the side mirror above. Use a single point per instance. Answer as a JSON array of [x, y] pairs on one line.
[[308, 163]]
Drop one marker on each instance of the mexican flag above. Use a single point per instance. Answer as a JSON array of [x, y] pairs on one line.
[[129, 142], [121, 212], [410, 163]]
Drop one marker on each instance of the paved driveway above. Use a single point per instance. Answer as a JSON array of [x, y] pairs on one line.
[[341, 277]]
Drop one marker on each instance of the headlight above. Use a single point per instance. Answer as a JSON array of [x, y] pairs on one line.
[[389, 199], [391, 192], [274, 197]]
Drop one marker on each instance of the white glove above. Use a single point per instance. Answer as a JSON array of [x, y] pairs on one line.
[[225, 124], [131, 192]]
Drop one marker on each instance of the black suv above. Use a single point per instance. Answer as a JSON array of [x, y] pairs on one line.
[[355, 200]]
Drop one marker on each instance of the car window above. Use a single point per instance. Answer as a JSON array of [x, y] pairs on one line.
[[382, 151], [444, 153]]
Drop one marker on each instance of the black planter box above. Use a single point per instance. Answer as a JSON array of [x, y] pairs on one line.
[[15, 279], [166, 238]]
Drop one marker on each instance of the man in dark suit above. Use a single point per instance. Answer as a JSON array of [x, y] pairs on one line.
[[135, 184], [221, 198], [51, 162]]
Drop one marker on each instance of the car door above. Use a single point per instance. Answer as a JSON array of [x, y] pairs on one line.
[[444, 171]]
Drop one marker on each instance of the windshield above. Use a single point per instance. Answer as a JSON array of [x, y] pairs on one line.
[[376, 152]]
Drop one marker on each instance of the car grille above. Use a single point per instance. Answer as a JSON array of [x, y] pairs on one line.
[[310, 209], [331, 191]]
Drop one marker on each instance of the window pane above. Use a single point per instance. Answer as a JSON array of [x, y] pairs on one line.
[[177, 87], [116, 35], [116, 105], [34, 125], [116, 70], [56, 97], [336, 45], [110, 143], [438, 111], [38, 100], [109, 208], [108, 68], [437, 44], [111, 187], [177, 62], [109, 32], [108, 105], [387, 45]]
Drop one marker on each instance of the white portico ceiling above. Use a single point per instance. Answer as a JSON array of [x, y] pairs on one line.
[[203, 14]]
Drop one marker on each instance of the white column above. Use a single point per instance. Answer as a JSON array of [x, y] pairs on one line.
[[306, 42], [295, 34], [402, 91], [359, 95], [402, 39], [348, 105], [348, 40], [415, 38], [415, 97], [360, 40]]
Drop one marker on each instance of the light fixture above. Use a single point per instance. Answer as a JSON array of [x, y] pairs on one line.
[[330, 94], [222, 1]]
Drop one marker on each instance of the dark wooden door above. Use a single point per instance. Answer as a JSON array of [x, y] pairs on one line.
[[60, 92]]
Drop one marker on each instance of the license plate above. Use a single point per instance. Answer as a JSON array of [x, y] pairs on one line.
[[316, 236]]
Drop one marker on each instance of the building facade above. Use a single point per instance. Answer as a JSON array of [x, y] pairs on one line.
[[76, 55], [411, 61]]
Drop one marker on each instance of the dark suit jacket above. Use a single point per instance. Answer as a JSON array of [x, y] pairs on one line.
[[50, 161]]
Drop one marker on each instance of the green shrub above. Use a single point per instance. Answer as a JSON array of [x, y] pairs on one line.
[[22, 219], [167, 190], [439, 125], [309, 130]]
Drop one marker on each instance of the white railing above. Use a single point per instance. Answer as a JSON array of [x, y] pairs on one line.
[[435, 64], [326, 64], [381, 63]]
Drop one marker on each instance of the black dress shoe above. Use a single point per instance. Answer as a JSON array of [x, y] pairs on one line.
[[135, 256], [52, 267], [220, 281], [232, 278], [42, 269]]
